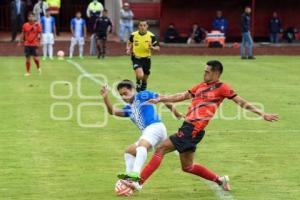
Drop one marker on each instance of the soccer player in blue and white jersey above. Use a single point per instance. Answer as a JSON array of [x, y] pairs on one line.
[[48, 35], [144, 116], [78, 30]]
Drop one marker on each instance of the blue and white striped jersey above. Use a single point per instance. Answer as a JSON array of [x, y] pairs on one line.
[[141, 113]]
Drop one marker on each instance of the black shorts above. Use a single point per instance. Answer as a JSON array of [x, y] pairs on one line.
[[184, 141], [101, 36], [30, 51], [144, 63]]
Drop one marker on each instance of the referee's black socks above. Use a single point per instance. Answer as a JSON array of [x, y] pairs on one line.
[[144, 86]]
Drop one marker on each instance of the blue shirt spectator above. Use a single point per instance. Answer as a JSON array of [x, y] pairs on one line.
[[220, 23]]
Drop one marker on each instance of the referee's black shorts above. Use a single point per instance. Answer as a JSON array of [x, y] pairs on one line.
[[184, 140], [144, 63]]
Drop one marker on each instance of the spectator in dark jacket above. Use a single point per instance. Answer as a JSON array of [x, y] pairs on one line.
[[289, 34], [246, 35], [197, 34], [171, 34], [220, 23], [275, 28], [17, 10]]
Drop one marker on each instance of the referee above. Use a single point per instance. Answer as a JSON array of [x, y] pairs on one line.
[[140, 45]]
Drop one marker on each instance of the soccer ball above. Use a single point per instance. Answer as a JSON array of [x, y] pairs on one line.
[[122, 189], [60, 54]]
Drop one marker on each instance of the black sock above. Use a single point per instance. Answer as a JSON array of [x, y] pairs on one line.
[[138, 85], [144, 86]]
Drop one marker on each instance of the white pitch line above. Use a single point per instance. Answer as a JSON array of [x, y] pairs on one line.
[[84, 72]]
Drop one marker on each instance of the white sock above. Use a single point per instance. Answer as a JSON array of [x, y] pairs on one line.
[[80, 50], [129, 162], [50, 49], [72, 50], [45, 50], [141, 157]]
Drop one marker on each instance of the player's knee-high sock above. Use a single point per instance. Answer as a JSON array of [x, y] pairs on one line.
[[81, 50], [28, 66], [138, 81], [151, 166], [202, 171], [138, 85], [141, 157], [144, 85], [45, 50], [50, 49], [129, 162], [103, 47], [72, 46], [37, 62]]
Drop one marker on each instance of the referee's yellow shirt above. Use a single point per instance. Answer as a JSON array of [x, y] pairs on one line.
[[140, 43]]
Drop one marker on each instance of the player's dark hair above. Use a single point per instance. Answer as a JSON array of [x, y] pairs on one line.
[[125, 84], [105, 10], [30, 14], [215, 65], [143, 20]]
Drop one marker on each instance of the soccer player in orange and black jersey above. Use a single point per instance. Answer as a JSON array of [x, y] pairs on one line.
[[206, 98], [31, 34]]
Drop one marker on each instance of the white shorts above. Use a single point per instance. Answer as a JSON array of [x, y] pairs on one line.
[[154, 134], [78, 40], [47, 38]]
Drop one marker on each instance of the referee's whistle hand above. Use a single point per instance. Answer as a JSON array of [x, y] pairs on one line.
[[128, 51]]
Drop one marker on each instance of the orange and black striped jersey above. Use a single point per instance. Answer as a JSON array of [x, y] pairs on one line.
[[207, 97]]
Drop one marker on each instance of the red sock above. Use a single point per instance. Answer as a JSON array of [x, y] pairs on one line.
[[202, 171], [37, 62], [151, 166], [28, 66]]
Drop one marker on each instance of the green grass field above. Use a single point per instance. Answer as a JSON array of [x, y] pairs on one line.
[[42, 158]]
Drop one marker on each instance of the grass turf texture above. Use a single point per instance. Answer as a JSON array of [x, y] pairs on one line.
[[42, 158]]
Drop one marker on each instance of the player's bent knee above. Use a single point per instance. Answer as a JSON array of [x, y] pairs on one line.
[[131, 150], [187, 169], [161, 149]]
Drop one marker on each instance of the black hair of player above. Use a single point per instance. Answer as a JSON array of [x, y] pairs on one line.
[[125, 84], [143, 20], [215, 65], [30, 14]]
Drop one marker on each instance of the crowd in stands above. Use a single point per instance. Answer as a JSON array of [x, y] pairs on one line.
[[198, 34], [47, 12]]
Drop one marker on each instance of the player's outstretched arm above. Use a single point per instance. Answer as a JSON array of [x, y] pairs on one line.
[[172, 108], [111, 110], [246, 105], [172, 98]]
